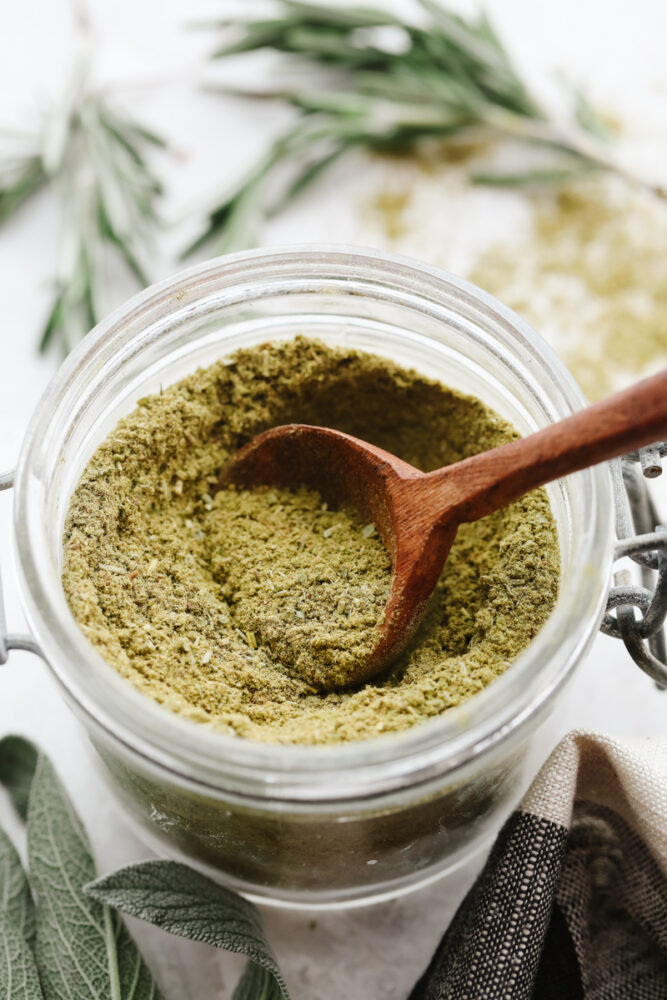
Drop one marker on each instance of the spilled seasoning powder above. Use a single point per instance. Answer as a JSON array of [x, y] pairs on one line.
[[199, 598], [591, 276]]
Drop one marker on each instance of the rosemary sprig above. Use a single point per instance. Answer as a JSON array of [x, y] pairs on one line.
[[92, 157], [21, 172], [381, 83]]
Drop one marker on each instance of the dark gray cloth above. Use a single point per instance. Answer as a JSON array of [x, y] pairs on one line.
[[573, 910]]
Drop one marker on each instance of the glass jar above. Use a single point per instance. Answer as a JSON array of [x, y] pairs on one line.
[[311, 825]]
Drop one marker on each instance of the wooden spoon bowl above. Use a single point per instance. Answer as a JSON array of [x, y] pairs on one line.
[[417, 514]]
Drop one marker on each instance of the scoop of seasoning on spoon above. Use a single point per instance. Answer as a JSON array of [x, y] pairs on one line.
[[417, 514]]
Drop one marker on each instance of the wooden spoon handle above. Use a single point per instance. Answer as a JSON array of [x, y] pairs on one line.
[[623, 422]]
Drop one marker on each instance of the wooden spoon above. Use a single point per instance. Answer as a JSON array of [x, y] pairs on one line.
[[417, 514]]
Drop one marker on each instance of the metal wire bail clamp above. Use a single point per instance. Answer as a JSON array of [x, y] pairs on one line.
[[643, 539]]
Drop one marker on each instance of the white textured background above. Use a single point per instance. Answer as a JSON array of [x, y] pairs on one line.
[[617, 50]]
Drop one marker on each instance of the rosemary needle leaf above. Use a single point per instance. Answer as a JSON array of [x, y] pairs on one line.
[[231, 225], [531, 178], [28, 179], [311, 171], [125, 138], [344, 17], [397, 82], [111, 235], [589, 118], [139, 133]]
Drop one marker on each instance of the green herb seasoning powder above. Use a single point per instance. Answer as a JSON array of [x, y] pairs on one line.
[[218, 604]]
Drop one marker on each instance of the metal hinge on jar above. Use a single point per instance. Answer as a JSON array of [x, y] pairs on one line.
[[644, 540], [12, 640]]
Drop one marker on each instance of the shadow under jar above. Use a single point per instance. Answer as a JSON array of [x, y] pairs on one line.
[[311, 825]]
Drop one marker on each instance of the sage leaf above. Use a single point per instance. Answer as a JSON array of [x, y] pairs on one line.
[[257, 983], [18, 973], [82, 951], [18, 759], [16, 905], [134, 976], [182, 901]]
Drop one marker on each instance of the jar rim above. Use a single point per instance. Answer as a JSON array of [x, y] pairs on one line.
[[205, 757]]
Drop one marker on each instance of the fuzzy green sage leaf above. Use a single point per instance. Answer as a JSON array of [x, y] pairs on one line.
[[16, 903], [182, 901], [19, 979], [257, 983], [18, 760], [82, 950]]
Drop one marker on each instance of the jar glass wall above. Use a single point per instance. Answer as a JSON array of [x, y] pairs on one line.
[[301, 824]]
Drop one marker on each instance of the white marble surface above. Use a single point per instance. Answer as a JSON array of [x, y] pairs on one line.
[[615, 48]]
